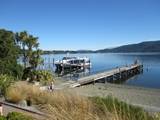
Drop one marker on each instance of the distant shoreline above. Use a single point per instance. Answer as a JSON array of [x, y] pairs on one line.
[[46, 53], [147, 46]]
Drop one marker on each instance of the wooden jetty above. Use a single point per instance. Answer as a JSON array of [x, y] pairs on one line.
[[114, 75]]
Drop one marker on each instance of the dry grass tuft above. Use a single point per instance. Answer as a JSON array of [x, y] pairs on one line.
[[70, 106], [21, 91]]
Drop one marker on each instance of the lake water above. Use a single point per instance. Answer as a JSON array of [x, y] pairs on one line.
[[106, 61]]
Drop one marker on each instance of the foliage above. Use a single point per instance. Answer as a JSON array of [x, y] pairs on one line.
[[9, 52], [17, 116], [44, 76], [30, 52], [61, 104], [13, 95], [64, 104], [122, 110], [5, 82], [35, 59], [20, 91], [157, 116], [3, 118]]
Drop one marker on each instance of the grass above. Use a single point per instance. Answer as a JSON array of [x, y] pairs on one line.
[[121, 110], [16, 116], [65, 105], [21, 91]]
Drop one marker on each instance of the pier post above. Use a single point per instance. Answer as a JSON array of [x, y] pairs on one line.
[[93, 81], [105, 79]]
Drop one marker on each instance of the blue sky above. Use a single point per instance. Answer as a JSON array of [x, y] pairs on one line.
[[83, 24]]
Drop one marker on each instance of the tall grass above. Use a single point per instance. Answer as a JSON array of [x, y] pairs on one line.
[[21, 91], [71, 107], [121, 110], [65, 105]]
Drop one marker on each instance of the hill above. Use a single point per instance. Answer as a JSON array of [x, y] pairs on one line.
[[149, 46]]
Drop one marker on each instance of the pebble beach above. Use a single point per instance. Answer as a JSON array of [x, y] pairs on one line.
[[147, 98]]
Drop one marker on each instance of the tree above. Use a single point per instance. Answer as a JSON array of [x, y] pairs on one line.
[[30, 52], [9, 53], [17, 46], [21, 39]]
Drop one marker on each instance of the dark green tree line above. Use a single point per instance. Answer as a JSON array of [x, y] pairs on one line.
[[18, 45], [9, 53]]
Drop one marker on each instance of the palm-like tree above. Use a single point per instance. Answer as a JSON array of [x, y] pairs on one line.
[[29, 46], [22, 39]]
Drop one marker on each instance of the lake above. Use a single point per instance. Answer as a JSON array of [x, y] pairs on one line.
[[106, 61]]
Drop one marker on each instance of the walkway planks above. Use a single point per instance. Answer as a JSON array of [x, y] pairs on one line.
[[117, 72]]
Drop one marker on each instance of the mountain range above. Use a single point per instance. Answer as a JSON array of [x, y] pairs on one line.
[[147, 46]]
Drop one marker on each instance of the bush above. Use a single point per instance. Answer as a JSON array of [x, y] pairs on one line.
[[21, 91], [14, 95], [17, 71], [17, 116], [43, 76], [5, 82], [3, 118]]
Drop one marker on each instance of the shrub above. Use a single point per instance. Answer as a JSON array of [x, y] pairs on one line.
[[27, 73], [5, 82], [17, 71], [17, 116], [44, 76], [14, 95], [3, 118], [20, 91]]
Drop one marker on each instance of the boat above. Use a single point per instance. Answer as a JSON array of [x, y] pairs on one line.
[[72, 62]]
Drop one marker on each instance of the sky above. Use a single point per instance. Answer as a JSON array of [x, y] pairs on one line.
[[83, 24]]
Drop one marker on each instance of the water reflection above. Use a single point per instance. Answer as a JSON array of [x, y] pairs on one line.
[[73, 74]]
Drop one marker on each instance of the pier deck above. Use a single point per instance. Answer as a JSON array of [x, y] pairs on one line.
[[117, 74], [114, 74]]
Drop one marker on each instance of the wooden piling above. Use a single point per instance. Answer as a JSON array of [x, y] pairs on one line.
[[114, 74]]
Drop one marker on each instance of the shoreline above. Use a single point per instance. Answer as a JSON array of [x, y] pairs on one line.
[[147, 98]]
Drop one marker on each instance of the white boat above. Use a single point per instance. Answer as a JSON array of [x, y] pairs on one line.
[[72, 62]]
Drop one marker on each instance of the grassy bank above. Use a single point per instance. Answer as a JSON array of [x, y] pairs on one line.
[[121, 110], [67, 105]]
